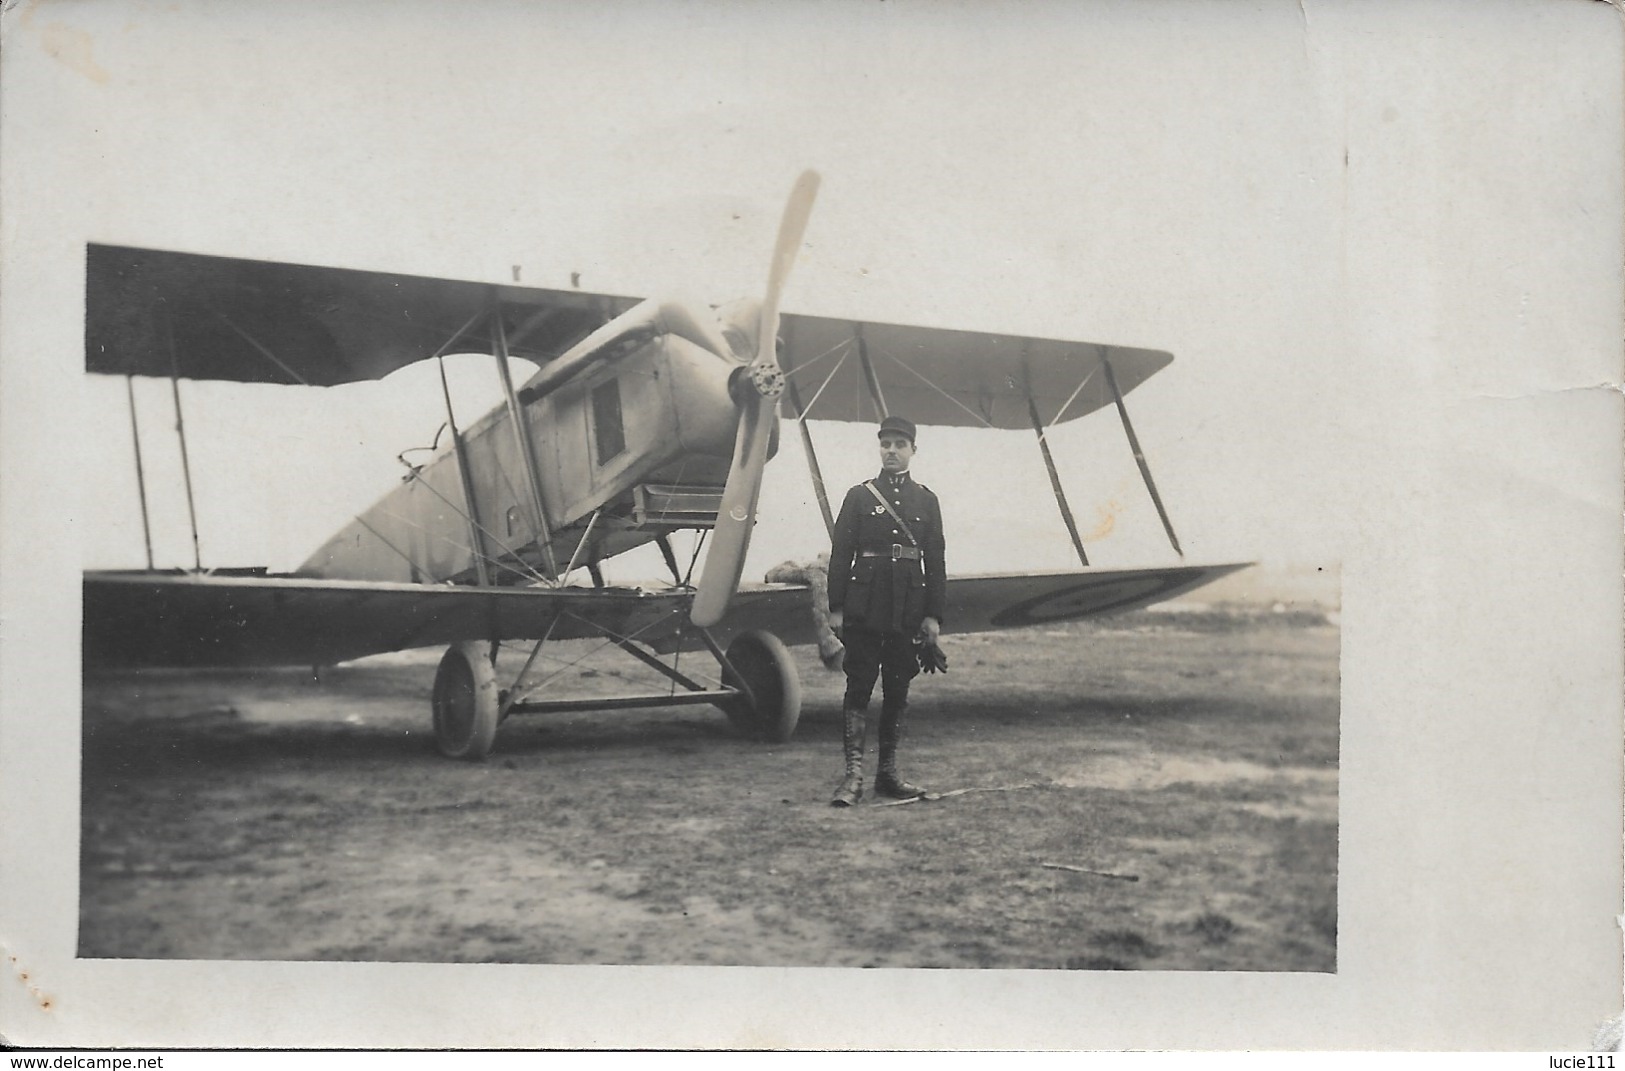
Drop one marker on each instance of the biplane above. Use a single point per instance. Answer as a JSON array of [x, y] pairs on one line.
[[645, 418]]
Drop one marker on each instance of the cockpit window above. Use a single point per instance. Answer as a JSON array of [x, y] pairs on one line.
[[608, 434]]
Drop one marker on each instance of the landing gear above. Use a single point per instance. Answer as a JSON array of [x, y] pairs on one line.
[[466, 702], [760, 666], [760, 693]]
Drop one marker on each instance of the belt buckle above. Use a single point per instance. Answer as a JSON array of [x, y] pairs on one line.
[[896, 551]]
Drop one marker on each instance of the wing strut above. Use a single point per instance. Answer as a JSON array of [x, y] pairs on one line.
[[517, 692], [869, 374], [522, 440], [476, 543], [1055, 483], [140, 471], [664, 542], [1139, 456], [813, 470], [581, 547], [180, 430]]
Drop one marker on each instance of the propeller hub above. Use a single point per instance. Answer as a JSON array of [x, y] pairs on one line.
[[767, 377]]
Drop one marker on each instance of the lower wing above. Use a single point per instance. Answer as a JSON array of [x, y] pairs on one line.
[[1013, 600], [183, 619]]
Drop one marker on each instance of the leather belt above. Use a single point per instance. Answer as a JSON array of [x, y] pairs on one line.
[[896, 551]]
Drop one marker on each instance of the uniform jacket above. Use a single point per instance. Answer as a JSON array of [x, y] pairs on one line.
[[883, 592]]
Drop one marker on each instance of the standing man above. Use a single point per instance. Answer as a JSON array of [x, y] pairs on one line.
[[886, 588]]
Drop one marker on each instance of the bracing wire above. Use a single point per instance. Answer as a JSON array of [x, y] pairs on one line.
[[532, 573], [407, 558], [544, 682], [900, 363], [804, 365], [409, 522], [819, 393], [1068, 403]]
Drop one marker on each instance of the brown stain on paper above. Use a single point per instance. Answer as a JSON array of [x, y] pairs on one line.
[[44, 1000], [1107, 514], [68, 46], [1108, 520]]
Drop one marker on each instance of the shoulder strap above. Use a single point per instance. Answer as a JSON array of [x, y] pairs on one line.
[[873, 490]]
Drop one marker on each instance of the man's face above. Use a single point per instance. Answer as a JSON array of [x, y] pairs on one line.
[[895, 452]]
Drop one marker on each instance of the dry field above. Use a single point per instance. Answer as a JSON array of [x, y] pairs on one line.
[[1161, 794]]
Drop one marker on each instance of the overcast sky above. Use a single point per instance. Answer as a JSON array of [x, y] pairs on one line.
[[1247, 188]]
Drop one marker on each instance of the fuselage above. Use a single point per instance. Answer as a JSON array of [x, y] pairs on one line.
[[635, 424]]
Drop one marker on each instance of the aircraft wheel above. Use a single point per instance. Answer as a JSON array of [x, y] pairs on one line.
[[465, 702], [771, 677]]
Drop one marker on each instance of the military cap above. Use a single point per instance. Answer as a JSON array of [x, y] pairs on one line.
[[898, 425]]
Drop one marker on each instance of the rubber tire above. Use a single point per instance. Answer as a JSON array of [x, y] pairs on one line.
[[465, 702], [771, 674]]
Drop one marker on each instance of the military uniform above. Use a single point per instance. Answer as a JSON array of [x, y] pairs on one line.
[[885, 583]]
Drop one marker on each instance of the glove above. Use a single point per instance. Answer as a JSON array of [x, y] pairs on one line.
[[932, 659]]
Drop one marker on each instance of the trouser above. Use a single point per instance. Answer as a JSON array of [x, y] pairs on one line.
[[888, 655], [891, 657]]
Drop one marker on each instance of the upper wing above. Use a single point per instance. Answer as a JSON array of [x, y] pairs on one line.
[[960, 378], [153, 313], [181, 619]]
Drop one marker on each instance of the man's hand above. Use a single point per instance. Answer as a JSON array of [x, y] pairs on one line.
[[836, 619], [932, 660]]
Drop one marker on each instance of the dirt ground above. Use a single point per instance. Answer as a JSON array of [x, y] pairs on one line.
[[1156, 791]]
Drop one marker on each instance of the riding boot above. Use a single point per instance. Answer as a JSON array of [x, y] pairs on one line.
[[887, 783], [853, 738]]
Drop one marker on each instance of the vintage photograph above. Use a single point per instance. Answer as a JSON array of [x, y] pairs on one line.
[[961, 504], [1067, 755]]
